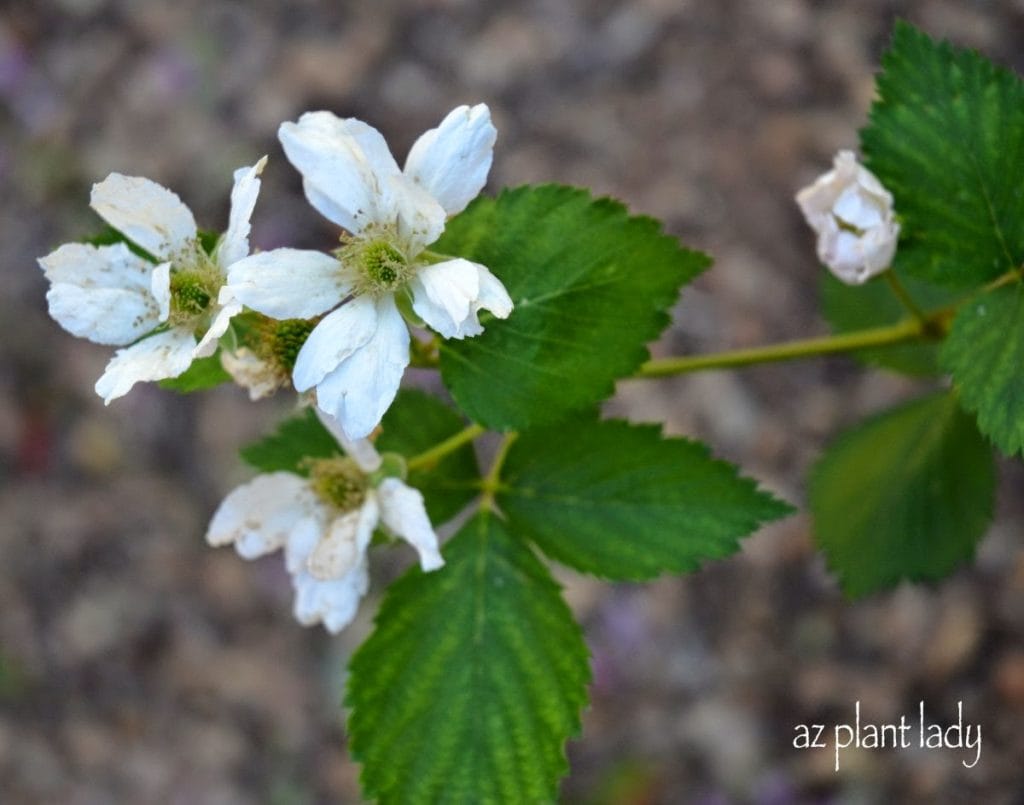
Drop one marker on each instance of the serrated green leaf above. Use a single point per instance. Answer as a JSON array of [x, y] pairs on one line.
[[984, 352], [857, 307], [591, 287], [472, 680], [295, 440], [906, 494], [622, 502], [204, 373], [417, 421], [946, 136]]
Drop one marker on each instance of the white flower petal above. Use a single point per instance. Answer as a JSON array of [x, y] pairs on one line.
[[374, 146], [879, 247], [208, 343], [144, 212], [449, 295], [101, 293], [452, 161], [404, 514], [816, 200], [302, 540], [234, 245], [334, 339], [102, 315], [157, 357], [857, 208], [336, 554], [258, 516], [344, 164], [443, 294], [345, 543], [257, 376], [332, 603], [420, 218], [113, 266], [160, 289], [493, 296], [361, 451], [289, 283], [362, 387]]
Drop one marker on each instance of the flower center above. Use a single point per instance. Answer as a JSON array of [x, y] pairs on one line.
[[338, 482], [380, 263], [190, 294], [383, 264], [195, 283]]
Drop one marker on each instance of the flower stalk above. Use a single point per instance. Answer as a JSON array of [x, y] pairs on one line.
[[900, 292], [911, 329], [428, 458], [492, 482]]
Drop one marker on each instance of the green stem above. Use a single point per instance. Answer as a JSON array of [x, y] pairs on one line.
[[492, 482], [903, 331], [431, 257], [430, 457], [901, 292], [1013, 275]]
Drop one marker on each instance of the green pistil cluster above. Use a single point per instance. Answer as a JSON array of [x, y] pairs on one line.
[[282, 340], [381, 266], [338, 482], [195, 283], [190, 295]]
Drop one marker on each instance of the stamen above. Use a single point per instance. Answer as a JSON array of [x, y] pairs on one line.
[[195, 283], [338, 482], [381, 265]]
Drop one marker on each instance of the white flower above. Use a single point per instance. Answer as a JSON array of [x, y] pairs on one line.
[[852, 213], [325, 523], [357, 353], [110, 295]]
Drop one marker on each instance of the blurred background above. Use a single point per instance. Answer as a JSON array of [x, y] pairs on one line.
[[138, 665]]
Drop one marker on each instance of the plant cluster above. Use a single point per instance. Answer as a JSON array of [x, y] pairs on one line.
[[532, 305]]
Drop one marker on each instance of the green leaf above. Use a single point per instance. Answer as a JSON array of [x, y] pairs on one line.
[[857, 307], [295, 440], [208, 239], [415, 422], [904, 495], [108, 236], [204, 373], [619, 501], [472, 681], [985, 354], [591, 287], [946, 136]]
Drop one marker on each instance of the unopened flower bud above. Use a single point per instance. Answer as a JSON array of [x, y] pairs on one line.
[[852, 213]]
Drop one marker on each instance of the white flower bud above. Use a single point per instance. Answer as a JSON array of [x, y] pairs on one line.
[[852, 213]]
